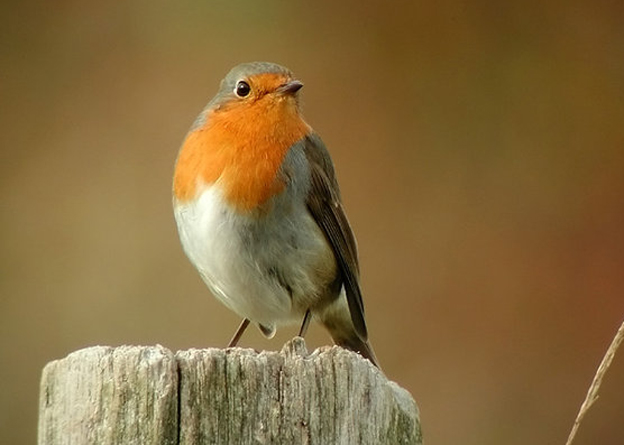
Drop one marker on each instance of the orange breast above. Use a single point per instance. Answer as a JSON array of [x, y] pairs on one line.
[[242, 146]]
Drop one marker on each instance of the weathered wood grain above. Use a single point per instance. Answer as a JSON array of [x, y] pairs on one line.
[[103, 395], [148, 395]]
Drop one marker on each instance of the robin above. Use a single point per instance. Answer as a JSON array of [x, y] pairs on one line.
[[259, 212]]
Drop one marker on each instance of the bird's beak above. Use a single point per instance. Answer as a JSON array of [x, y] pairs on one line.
[[290, 87]]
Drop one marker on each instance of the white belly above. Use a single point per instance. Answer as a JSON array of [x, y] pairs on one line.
[[268, 269]]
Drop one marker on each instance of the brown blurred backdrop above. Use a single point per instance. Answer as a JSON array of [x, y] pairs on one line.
[[480, 149]]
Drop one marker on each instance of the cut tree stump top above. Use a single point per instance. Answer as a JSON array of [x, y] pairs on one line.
[[149, 395]]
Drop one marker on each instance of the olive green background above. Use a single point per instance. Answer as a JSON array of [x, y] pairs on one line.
[[480, 151]]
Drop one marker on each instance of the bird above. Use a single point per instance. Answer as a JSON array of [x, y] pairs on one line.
[[259, 212]]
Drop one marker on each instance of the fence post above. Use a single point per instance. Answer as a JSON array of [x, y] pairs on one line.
[[148, 395]]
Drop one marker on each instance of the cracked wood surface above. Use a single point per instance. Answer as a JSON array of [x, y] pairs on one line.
[[149, 395]]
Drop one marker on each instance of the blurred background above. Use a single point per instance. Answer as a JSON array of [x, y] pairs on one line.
[[480, 150]]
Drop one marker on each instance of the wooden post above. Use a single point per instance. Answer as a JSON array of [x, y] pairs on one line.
[[148, 395]]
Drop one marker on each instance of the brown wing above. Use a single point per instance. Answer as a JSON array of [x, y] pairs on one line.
[[326, 208]]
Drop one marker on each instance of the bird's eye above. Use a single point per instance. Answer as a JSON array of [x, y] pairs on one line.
[[242, 89]]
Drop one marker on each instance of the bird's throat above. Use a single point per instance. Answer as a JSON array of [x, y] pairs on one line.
[[241, 149]]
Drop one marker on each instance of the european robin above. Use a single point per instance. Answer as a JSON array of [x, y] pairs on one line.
[[259, 212]]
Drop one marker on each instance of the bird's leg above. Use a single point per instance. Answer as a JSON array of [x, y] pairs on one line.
[[305, 324], [239, 333]]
